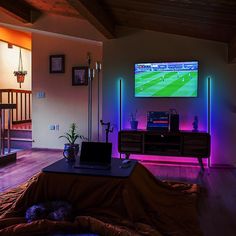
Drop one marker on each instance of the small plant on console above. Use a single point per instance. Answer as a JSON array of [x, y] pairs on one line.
[[133, 120]]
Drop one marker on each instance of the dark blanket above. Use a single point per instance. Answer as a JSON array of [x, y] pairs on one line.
[[138, 205]]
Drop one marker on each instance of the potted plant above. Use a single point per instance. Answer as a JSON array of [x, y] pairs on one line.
[[20, 73], [133, 120], [71, 149]]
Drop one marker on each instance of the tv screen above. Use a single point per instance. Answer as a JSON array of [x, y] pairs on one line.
[[166, 79]]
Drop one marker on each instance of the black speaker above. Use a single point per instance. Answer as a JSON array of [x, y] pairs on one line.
[[174, 122]]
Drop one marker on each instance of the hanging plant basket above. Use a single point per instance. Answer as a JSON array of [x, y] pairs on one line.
[[20, 74]]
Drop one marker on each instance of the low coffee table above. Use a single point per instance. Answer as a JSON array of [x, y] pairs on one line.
[[116, 170]]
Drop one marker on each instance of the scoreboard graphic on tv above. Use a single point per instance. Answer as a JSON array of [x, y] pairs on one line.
[[166, 79]]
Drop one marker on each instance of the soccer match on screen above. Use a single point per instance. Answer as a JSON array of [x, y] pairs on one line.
[[170, 79]]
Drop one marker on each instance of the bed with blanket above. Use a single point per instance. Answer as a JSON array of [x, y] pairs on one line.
[[137, 205]]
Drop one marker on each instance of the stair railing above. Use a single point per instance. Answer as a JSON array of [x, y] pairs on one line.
[[3, 109], [23, 101]]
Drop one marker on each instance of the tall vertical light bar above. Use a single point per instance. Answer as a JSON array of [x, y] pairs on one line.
[[120, 106], [209, 112]]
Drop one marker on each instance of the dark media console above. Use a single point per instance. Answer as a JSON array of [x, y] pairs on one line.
[[182, 143]]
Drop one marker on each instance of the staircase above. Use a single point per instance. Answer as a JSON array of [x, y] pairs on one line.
[[20, 136], [20, 128]]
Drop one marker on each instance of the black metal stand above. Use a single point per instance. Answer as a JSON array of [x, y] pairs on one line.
[[98, 69], [91, 74], [108, 129]]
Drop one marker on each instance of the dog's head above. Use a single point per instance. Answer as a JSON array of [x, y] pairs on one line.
[[55, 210], [36, 212]]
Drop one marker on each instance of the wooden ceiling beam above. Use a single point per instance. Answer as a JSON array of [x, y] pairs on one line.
[[19, 10], [96, 15]]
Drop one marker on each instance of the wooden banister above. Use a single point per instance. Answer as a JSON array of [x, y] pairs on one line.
[[3, 108], [23, 101]]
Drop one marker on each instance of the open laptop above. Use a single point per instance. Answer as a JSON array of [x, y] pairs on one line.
[[95, 155]]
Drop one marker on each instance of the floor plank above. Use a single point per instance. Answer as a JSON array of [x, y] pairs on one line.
[[29, 162], [217, 204]]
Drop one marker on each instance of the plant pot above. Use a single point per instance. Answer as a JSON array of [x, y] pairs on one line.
[[20, 78], [134, 124], [71, 151]]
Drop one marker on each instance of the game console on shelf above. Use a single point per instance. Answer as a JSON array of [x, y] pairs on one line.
[[163, 120]]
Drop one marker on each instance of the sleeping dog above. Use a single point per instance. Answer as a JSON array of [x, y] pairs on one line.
[[55, 210]]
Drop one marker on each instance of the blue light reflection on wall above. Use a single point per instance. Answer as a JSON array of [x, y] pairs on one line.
[[120, 96], [120, 105], [209, 99], [124, 124]]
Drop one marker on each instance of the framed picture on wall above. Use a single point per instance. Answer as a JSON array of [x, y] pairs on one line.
[[79, 75], [57, 63]]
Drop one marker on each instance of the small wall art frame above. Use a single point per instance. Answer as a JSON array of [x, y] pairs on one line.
[[79, 75], [57, 63]]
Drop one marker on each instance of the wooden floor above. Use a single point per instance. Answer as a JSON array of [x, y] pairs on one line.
[[29, 162], [217, 204]]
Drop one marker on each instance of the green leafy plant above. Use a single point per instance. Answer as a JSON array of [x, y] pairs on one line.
[[72, 135], [17, 73]]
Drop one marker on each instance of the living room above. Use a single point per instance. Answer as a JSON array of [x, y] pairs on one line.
[[64, 103]]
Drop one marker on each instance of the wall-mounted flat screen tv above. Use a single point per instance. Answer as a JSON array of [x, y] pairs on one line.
[[166, 79]]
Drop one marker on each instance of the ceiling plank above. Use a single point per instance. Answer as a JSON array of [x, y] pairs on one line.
[[232, 50], [174, 25], [96, 15], [19, 10], [201, 19], [193, 10]]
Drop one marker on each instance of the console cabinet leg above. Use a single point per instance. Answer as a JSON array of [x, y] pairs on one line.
[[127, 155], [200, 163]]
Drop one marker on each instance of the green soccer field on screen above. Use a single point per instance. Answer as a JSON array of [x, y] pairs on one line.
[[172, 79]]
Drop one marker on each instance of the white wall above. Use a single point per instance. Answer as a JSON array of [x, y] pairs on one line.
[[146, 46], [9, 61], [63, 103]]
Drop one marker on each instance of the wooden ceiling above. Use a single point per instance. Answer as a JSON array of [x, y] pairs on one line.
[[205, 19]]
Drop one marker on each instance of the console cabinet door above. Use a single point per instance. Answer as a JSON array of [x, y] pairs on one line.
[[130, 142], [162, 144], [196, 144]]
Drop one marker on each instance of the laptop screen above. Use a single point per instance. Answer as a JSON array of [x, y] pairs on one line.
[[96, 153]]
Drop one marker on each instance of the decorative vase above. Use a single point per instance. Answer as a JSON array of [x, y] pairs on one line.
[[71, 151], [134, 124]]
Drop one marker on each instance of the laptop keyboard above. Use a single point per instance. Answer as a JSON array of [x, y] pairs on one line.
[[94, 167]]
